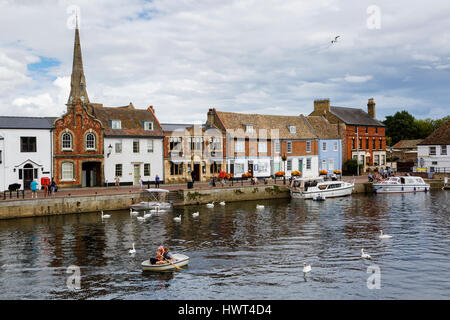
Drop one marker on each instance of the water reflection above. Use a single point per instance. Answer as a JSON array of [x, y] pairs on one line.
[[238, 252]]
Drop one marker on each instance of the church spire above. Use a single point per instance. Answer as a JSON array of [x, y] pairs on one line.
[[78, 81]]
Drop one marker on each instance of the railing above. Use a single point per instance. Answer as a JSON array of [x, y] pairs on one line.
[[11, 193]]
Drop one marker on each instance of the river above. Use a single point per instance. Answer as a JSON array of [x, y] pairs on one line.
[[238, 252]]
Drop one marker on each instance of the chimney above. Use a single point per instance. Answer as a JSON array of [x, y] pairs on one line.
[[211, 117], [322, 107], [371, 108]]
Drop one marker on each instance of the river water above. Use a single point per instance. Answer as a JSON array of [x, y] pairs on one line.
[[238, 252]]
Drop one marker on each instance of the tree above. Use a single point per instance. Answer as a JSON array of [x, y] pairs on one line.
[[400, 126]]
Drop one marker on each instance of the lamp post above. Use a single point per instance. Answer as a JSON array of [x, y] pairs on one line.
[[109, 150]]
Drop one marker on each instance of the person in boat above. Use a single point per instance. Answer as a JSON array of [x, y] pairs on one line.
[[307, 185], [159, 256], [166, 255]]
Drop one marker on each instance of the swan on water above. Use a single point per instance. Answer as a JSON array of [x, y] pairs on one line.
[[195, 214], [147, 215], [384, 236], [140, 218], [306, 268], [222, 203], [365, 255], [259, 206], [132, 251], [133, 212], [177, 219], [210, 205], [105, 216]]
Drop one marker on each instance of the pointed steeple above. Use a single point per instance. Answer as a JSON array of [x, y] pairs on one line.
[[78, 81]]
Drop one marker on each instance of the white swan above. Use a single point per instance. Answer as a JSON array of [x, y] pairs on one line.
[[140, 218], [147, 215], [133, 212], [177, 219], [195, 214], [222, 203], [132, 251], [210, 205], [365, 255], [105, 216], [306, 268], [384, 236], [259, 206]]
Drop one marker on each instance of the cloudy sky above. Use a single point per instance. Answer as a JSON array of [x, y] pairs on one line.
[[255, 56]]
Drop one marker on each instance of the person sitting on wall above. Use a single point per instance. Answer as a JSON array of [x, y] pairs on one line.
[[370, 177]]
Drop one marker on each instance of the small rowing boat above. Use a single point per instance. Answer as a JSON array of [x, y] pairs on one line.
[[179, 260]]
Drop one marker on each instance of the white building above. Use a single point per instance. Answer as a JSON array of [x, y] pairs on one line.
[[25, 150], [133, 144], [433, 153]]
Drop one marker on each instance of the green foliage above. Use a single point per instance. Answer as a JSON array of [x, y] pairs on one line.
[[403, 126], [352, 166]]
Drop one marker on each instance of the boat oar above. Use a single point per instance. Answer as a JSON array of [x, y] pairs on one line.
[[174, 265]]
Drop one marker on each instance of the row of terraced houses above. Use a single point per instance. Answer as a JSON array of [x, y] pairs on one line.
[[92, 145]]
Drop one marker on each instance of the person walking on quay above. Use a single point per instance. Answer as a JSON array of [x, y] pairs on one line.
[[33, 186], [117, 181], [53, 187], [157, 181]]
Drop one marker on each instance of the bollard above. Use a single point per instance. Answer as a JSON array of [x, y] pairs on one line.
[[23, 194]]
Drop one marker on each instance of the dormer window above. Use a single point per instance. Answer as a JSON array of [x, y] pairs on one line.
[[292, 129], [116, 124], [148, 126], [249, 128]]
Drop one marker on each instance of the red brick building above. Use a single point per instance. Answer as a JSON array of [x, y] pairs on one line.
[[78, 147], [363, 137]]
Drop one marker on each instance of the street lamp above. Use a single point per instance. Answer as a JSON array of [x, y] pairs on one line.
[[109, 150]]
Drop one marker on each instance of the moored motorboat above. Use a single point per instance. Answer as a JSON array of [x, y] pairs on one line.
[[310, 188], [179, 260], [401, 184]]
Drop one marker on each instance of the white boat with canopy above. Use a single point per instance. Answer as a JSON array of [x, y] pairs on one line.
[[178, 260], [157, 197], [401, 185], [314, 188]]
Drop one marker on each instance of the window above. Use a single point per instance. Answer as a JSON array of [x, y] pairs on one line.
[[118, 147], [324, 164], [432, 151], [376, 130], [66, 141], [196, 143], [335, 146], [367, 129], [374, 144], [289, 165], [356, 129], [149, 146], [381, 144], [90, 141], [249, 128], [289, 146], [330, 164], [292, 129], [383, 160], [148, 125], [239, 168], [308, 146], [0, 156], [376, 160], [118, 170], [67, 171], [214, 144], [215, 167], [176, 168], [324, 146], [146, 169], [116, 124], [239, 146], [262, 147], [367, 143], [277, 146], [360, 143], [308, 163], [175, 143], [353, 144], [444, 150], [27, 144], [135, 146]]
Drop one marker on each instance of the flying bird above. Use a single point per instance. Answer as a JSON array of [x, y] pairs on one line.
[[335, 39]]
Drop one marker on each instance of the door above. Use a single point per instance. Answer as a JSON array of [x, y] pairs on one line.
[[137, 174], [27, 175], [196, 172], [250, 168]]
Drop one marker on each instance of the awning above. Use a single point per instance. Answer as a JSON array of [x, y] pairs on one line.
[[157, 190]]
